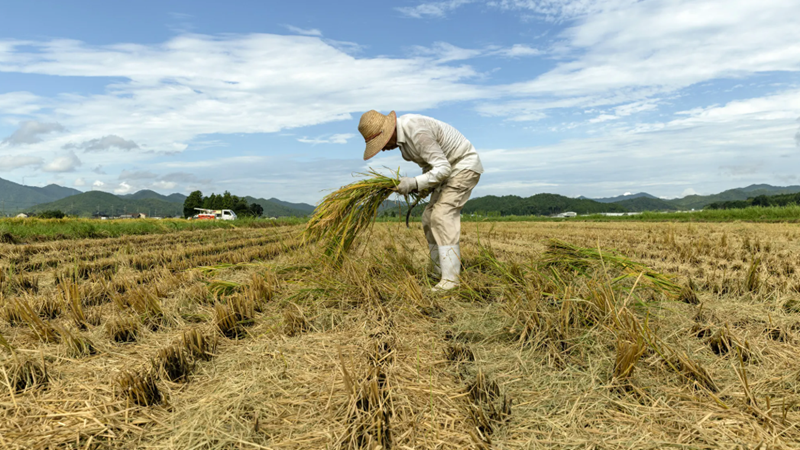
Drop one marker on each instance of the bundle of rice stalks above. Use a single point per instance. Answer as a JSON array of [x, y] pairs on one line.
[[344, 214], [25, 375], [221, 287], [227, 322], [77, 345], [72, 300], [47, 307], [198, 345], [173, 363], [9, 313], [140, 388], [24, 283], [148, 306], [688, 294], [43, 330], [590, 261], [753, 281], [123, 329]]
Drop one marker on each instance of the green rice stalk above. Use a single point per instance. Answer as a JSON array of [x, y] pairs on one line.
[[584, 261], [344, 214]]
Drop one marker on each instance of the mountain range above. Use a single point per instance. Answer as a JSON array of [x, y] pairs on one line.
[[15, 198]]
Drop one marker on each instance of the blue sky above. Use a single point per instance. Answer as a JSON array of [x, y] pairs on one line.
[[262, 98]]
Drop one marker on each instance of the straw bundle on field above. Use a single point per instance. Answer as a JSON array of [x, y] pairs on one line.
[[587, 261], [345, 213]]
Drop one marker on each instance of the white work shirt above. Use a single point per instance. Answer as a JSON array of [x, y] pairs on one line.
[[435, 146]]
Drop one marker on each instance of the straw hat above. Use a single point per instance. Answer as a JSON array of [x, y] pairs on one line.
[[377, 129]]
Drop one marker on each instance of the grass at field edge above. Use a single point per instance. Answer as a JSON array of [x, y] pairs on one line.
[[37, 230]]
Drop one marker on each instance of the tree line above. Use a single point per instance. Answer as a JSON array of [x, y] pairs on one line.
[[761, 200], [222, 201]]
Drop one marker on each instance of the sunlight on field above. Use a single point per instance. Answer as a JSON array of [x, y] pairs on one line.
[[245, 338]]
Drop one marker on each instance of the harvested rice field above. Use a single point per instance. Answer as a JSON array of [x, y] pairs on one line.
[[562, 335]]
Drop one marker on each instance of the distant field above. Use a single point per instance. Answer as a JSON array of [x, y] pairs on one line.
[[33, 230], [788, 214], [247, 338]]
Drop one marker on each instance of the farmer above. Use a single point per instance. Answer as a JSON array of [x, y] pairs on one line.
[[450, 167]]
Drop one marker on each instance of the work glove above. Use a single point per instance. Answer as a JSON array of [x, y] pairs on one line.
[[407, 184]]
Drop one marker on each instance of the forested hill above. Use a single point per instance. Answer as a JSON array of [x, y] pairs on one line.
[[754, 190], [538, 205], [93, 202], [15, 197]]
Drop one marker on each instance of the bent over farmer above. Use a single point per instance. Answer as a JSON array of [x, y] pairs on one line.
[[450, 166]]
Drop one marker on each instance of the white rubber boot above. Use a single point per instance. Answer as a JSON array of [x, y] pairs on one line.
[[436, 268], [450, 260]]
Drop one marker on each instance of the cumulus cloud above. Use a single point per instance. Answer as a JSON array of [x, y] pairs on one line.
[[79, 182], [30, 132], [16, 161], [67, 163], [123, 188], [333, 139], [98, 184], [104, 143]]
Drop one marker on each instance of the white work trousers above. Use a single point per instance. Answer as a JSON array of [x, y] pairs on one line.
[[441, 220]]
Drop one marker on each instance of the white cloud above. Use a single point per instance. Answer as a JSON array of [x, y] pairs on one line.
[[519, 50], [12, 162], [689, 191], [67, 163], [432, 9], [603, 118], [30, 132], [123, 188], [98, 184], [710, 149], [20, 103], [642, 48], [79, 182], [333, 139], [797, 136], [196, 85], [304, 31], [105, 143], [445, 52], [560, 10]]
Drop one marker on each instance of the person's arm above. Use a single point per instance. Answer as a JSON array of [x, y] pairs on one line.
[[431, 153]]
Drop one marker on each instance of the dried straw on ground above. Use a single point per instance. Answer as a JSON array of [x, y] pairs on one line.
[[362, 354]]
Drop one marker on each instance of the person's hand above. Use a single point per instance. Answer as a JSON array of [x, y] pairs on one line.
[[407, 184]]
